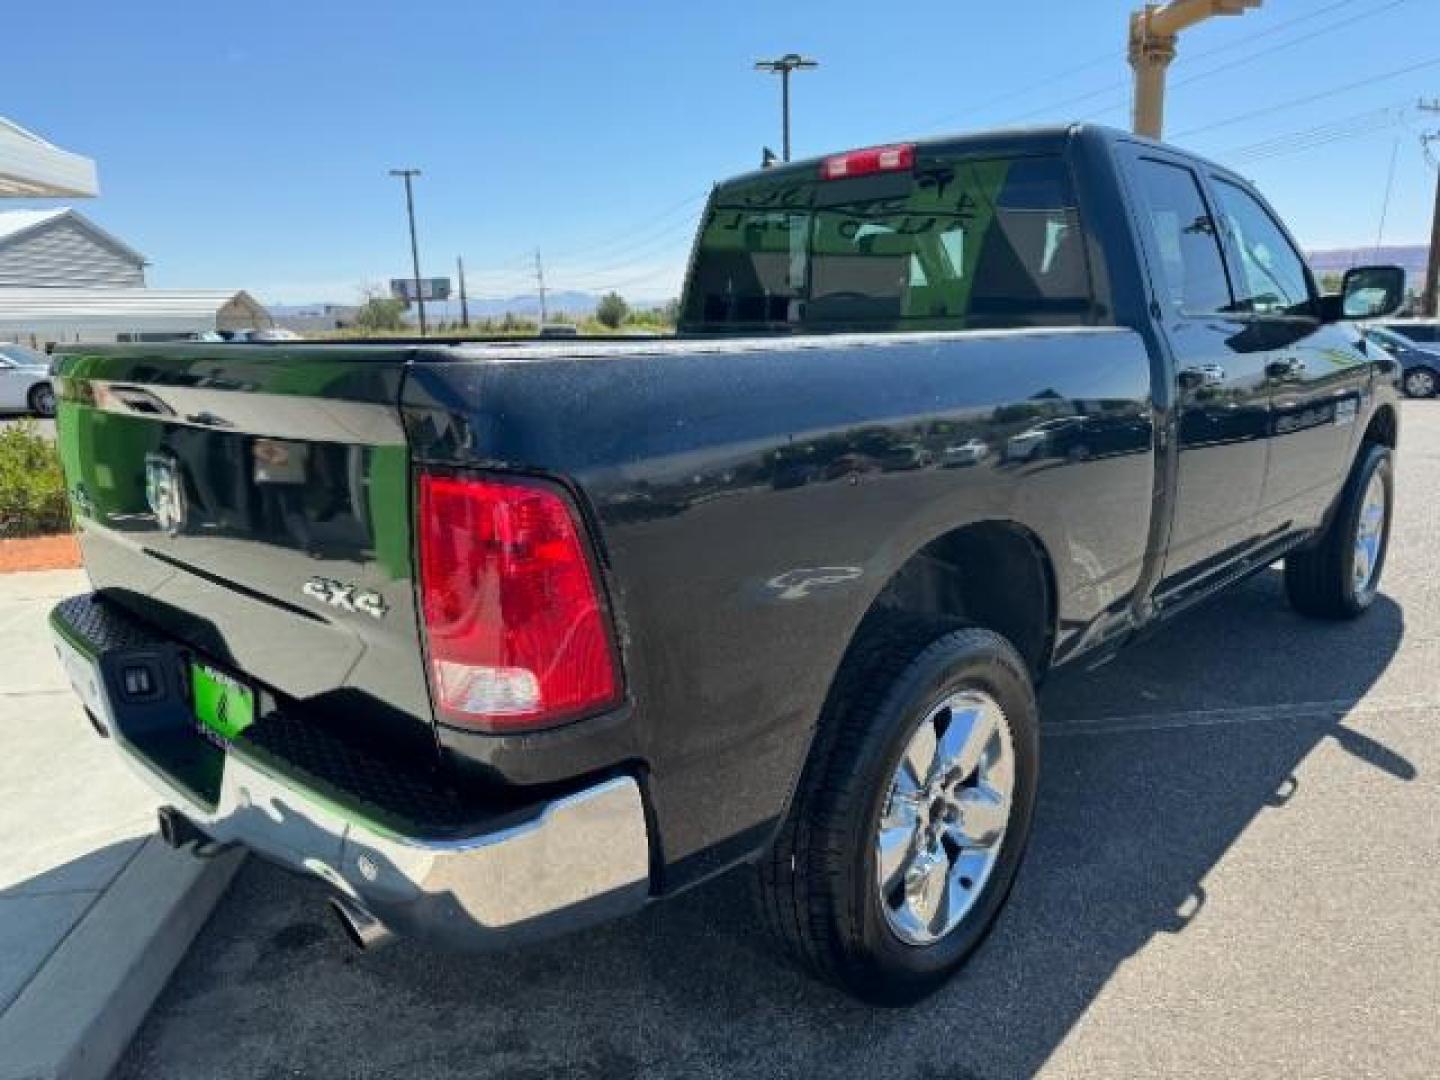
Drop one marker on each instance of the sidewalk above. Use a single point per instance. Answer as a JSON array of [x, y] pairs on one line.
[[84, 891]]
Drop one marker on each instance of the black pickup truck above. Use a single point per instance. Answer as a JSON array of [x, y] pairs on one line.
[[501, 638]]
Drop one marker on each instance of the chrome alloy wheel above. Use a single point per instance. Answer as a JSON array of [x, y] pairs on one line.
[[944, 818], [1369, 535]]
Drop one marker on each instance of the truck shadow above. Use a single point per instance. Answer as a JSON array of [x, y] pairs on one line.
[[1152, 768]]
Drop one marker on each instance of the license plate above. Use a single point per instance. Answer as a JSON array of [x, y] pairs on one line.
[[223, 705]]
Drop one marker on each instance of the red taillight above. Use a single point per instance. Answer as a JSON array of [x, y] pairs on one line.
[[512, 610], [877, 159]]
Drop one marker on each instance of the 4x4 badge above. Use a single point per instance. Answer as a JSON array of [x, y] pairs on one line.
[[345, 597]]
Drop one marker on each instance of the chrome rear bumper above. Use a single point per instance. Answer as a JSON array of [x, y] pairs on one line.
[[571, 862]]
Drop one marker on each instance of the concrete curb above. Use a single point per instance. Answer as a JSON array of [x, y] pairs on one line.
[[75, 1018]]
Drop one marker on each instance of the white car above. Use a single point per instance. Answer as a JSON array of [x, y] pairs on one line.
[[970, 452], [25, 381]]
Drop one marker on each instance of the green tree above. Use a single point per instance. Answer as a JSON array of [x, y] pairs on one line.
[[381, 313], [612, 310], [1330, 282]]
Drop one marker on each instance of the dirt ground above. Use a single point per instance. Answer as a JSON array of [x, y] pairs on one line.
[[39, 553]]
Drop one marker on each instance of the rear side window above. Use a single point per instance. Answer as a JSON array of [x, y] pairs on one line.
[[1186, 238], [956, 243]]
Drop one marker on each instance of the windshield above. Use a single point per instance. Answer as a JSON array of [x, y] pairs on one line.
[[23, 355], [958, 243]]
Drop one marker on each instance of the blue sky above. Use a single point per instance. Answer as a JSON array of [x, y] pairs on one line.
[[246, 145]]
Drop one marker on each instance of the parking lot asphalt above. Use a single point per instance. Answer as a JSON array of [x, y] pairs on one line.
[[1235, 872]]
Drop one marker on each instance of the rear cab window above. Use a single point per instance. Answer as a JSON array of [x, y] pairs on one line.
[[958, 242], [1186, 239]]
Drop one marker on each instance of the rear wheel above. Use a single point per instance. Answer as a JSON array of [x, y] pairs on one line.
[[1339, 576], [1420, 383], [913, 813], [42, 400]]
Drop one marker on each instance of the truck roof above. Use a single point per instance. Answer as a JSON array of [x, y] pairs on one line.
[[1036, 138]]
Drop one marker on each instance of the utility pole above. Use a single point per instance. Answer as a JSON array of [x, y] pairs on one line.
[[783, 67], [1154, 32], [540, 277], [1430, 302], [464, 306], [408, 175]]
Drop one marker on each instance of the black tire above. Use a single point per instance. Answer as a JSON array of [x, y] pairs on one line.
[[42, 400], [817, 887], [1420, 382], [1320, 579]]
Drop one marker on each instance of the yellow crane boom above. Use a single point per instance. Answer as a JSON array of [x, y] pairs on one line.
[[1154, 30]]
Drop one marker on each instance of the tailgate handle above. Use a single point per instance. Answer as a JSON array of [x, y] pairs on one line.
[[140, 400]]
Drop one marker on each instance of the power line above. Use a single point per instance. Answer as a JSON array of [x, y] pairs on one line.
[[1107, 58], [1124, 84], [1362, 123], [619, 240], [646, 240], [1282, 46], [1308, 98], [679, 237], [1385, 202]]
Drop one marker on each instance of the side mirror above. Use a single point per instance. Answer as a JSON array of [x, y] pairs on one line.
[[1371, 292]]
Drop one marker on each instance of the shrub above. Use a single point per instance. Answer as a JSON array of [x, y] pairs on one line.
[[381, 313], [32, 488], [612, 310]]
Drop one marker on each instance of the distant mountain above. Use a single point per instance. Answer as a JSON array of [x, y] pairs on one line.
[[485, 307], [1337, 260]]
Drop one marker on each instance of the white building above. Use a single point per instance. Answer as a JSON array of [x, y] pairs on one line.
[[65, 279], [31, 168], [42, 315], [63, 248]]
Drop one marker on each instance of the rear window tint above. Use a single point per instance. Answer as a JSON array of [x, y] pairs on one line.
[[957, 243]]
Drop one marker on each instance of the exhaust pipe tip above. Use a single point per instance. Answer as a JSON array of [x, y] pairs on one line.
[[180, 833], [362, 929]]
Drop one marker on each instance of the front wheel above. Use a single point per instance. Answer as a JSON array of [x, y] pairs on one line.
[[913, 814], [42, 400], [1419, 383], [1338, 577]]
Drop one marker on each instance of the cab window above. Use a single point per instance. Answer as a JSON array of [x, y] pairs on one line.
[[1186, 238], [1273, 278]]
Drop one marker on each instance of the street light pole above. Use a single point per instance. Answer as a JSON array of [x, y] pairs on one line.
[[407, 175], [1154, 31], [783, 67], [464, 303]]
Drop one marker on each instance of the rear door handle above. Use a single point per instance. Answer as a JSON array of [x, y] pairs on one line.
[[1193, 378], [1288, 368]]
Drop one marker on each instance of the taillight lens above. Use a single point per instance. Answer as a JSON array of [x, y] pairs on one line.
[[875, 159], [513, 618]]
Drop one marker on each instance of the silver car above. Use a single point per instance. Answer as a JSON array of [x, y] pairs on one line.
[[25, 381]]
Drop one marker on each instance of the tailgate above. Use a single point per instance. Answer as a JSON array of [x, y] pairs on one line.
[[253, 501]]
